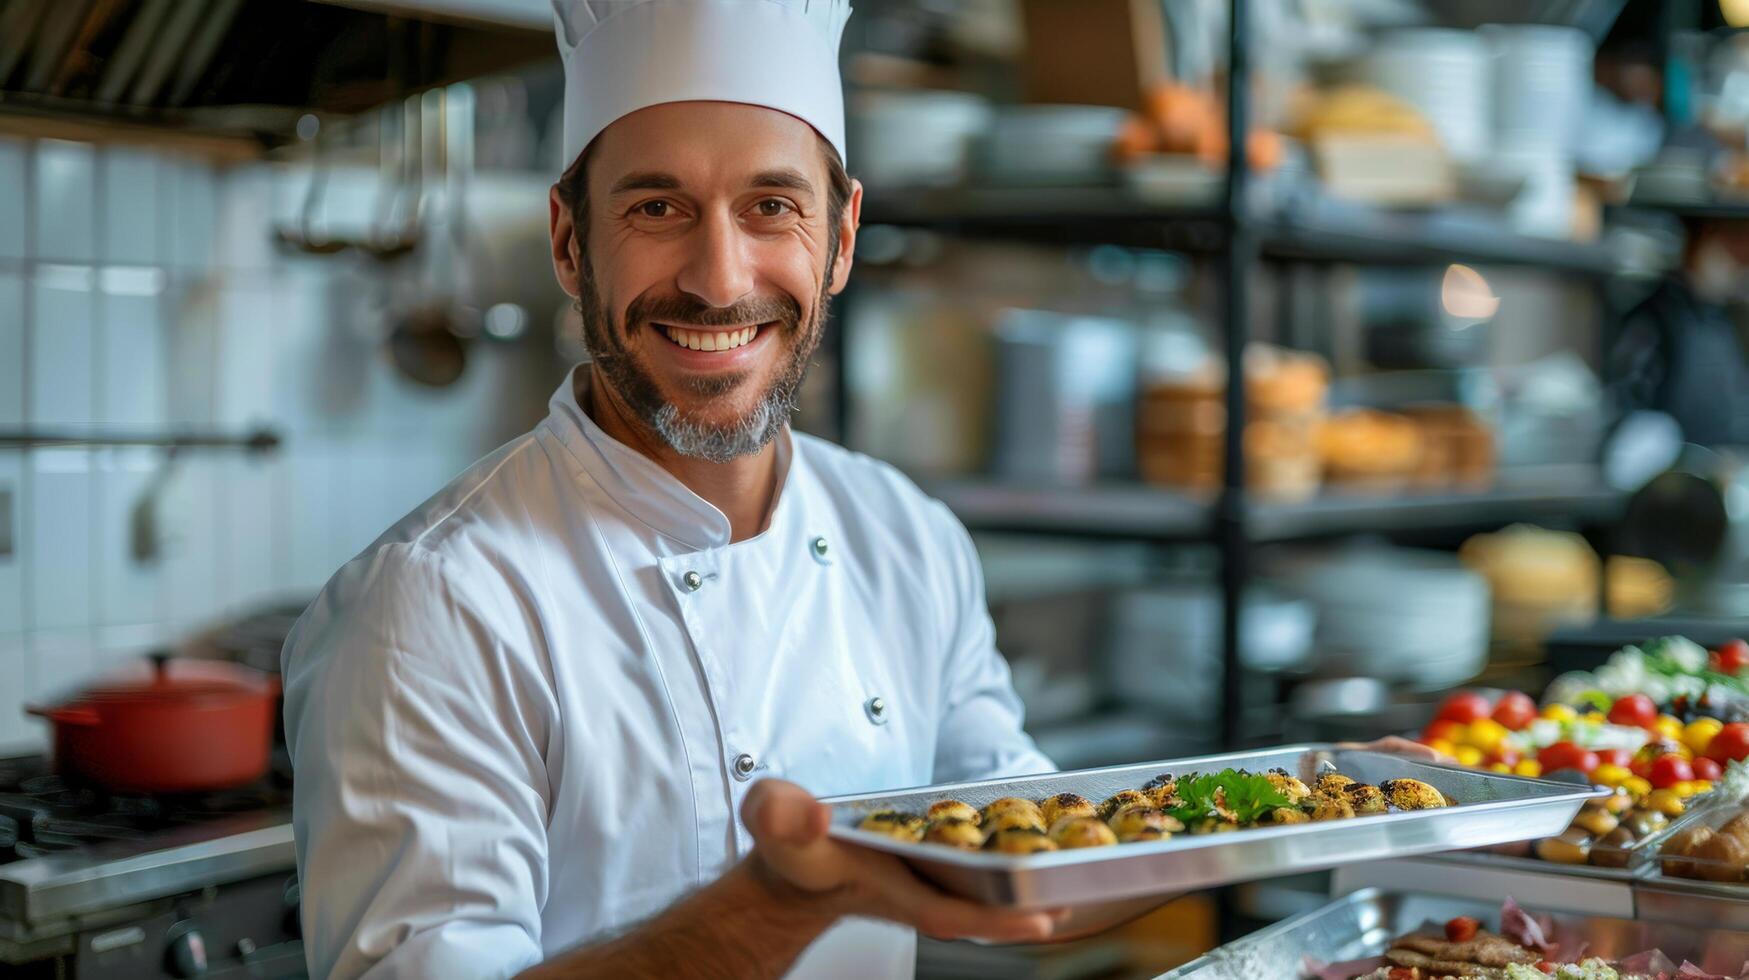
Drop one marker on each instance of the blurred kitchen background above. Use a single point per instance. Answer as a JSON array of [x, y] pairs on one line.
[[272, 273]]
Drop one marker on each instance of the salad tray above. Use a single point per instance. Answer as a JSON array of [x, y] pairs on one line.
[[1491, 809], [1363, 923]]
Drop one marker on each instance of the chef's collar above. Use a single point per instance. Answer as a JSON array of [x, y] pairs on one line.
[[637, 483]]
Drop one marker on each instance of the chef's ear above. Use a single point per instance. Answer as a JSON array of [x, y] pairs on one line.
[[567, 247], [848, 222]]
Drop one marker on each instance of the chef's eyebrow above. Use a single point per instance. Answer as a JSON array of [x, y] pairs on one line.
[[784, 178], [645, 180]]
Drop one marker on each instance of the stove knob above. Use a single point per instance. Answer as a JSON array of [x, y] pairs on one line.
[[186, 954]]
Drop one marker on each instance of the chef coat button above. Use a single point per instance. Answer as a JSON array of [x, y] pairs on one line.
[[820, 549], [877, 710], [744, 766], [693, 581]]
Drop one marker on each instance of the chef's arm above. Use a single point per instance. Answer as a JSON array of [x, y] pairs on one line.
[[759, 917]]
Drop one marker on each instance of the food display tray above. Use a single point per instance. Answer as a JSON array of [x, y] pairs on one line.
[[1493, 809], [1363, 923]]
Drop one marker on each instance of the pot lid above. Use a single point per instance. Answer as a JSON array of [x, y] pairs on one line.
[[165, 678]]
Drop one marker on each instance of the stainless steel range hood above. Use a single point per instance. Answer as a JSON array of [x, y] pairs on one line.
[[247, 68]]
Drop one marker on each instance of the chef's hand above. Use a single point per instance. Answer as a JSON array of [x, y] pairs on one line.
[[1398, 745], [802, 862]]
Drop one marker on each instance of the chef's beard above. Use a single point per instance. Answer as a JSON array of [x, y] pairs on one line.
[[689, 436]]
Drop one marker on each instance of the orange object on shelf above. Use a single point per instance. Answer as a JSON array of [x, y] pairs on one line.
[[1181, 423], [1370, 450], [1457, 448], [1178, 119]]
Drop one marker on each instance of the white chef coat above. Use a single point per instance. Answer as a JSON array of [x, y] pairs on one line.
[[526, 716]]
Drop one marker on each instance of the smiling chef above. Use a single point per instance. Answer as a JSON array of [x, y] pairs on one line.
[[569, 717]]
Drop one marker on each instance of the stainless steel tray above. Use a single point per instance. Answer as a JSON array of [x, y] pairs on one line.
[[1493, 809], [1363, 924]]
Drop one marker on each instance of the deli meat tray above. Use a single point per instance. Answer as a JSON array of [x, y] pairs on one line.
[[1489, 808]]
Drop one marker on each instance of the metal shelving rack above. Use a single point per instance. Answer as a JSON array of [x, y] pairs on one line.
[[1242, 241]]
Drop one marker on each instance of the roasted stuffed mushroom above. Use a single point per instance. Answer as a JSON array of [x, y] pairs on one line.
[[1070, 833], [1019, 841], [1121, 799], [1330, 806], [901, 826], [1055, 808], [955, 832], [1412, 794], [953, 810], [1161, 791], [1132, 820], [1365, 798], [1012, 813], [1288, 786]]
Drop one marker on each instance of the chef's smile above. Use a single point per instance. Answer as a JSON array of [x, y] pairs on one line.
[[712, 339]]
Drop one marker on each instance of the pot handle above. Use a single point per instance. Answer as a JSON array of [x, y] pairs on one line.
[[65, 715]]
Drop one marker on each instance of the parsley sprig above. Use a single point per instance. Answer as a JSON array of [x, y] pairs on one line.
[[1231, 794]]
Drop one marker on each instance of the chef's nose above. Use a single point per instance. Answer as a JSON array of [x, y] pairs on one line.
[[718, 270]]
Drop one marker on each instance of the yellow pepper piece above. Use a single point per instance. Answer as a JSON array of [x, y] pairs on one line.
[[1667, 802], [1699, 734]]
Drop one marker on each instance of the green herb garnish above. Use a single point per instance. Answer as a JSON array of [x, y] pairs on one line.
[[1243, 797]]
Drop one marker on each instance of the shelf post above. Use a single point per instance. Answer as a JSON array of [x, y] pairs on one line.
[[1241, 258]]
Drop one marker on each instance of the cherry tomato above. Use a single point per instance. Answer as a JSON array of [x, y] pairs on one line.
[[1463, 708], [1566, 755], [1616, 757], [1634, 710], [1439, 728], [1462, 929], [1730, 744], [1707, 769], [1516, 710], [1668, 770], [1732, 657], [1641, 768], [1547, 966]]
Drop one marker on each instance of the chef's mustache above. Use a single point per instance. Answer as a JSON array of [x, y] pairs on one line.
[[690, 311]]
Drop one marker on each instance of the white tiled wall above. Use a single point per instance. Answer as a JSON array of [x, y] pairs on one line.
[[141, 291]]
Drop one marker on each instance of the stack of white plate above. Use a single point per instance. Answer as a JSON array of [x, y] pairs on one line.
[[1446, 75], [1413, 618], [1051, 144], [1163, 649], [911, 139], [1542, 83]]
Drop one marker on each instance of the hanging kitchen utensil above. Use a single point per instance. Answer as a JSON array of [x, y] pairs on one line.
[[175, 726], [395, 227], [428, 336], [306, 237]]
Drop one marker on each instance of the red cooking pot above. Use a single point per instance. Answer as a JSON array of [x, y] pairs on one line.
[[175, 726]]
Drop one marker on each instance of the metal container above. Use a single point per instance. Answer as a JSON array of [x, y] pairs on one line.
[[1364, 923], [1494, 809]]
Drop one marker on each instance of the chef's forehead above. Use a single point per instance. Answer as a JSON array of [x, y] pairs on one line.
[[707, 142]]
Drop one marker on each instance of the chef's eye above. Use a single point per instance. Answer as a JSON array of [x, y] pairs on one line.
[[653, 209], [772, 207]]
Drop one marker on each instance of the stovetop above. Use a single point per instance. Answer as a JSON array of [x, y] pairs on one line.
[[67, 850], [40, 814]]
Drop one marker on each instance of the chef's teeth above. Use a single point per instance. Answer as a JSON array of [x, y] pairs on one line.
[[711, 341]]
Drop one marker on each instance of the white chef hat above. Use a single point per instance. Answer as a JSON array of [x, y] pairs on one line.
[[624, 55]]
